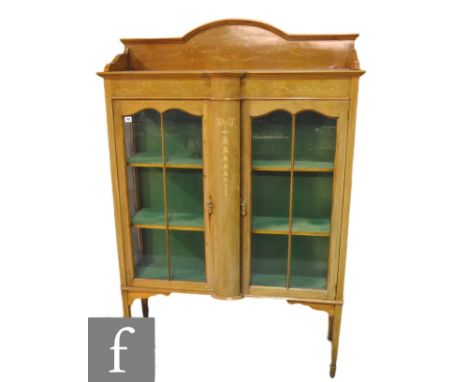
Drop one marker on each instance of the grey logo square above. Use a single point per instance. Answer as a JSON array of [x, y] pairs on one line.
[[121, 349]]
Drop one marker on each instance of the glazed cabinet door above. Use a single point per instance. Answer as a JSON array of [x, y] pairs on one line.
[[293, 156], [162, 180]]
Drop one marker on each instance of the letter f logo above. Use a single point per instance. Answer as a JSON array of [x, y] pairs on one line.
[[117, 348]]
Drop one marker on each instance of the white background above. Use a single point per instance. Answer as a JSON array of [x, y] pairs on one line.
[[406, 291]]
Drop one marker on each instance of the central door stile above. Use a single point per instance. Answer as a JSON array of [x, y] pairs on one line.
[[225, 193]]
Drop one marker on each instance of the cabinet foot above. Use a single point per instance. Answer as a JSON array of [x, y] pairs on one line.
[[334, 322], [144, 307], [332, 370]]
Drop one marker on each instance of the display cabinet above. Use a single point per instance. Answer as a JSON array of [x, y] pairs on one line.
[[231, 154]]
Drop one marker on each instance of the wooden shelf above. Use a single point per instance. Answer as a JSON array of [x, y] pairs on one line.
[[183, 166], [145, 158], [280, 226], [315, 166], [299, 282], [185, 162], [149, 268], [189, 220], [270, 224], [311, 227], [149, 160], [148, 218], [285, 166], [268, 280], [308, 282]]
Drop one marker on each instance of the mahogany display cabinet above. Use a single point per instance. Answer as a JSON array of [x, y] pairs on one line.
[[231, 154]]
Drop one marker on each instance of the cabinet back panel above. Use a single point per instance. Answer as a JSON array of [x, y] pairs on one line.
[[271, 139], [242, 44], [270, 194], [185, 196], [269, 260], [187, 256], [309, 262], [182, 137], [315, 140], [149, 188], [150, 253], [312, 195]]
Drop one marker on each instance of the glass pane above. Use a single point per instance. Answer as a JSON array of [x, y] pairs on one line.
[[185, 197], [183, 137], [146, 195], [270, 201], [150, 253], [312, 200], [166, 202], [269, 260], [143, 137], [187, 255], [309, 262], [312, 188], [315, 140], [271, 140]]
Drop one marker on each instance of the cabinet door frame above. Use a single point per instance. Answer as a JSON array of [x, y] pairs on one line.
[[330, 108], [122, 107]]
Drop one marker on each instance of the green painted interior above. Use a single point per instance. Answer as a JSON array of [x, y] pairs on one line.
[[187, 255], [310, 225], [270, 200], [271, 144], [182, 137], [184, 161], [272, 163], [309, 262], [150, 188], [312, 195], [269, 260], [314, 148], [185, 219], [271, 139], [307, 225], [149, 216], [185, 197], [270, 223], [315, 140], [183, 145], [151, 263], [146, 157], [145, 132], [305, 164], [298, 164]]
